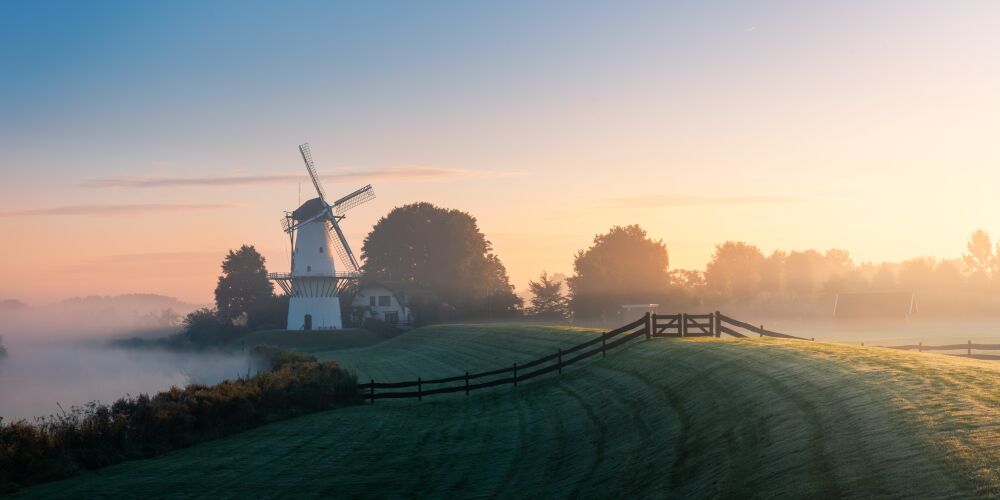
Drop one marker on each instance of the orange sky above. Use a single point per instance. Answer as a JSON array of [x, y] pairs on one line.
[[130, 163]]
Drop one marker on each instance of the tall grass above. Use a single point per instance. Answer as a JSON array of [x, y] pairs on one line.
[[98, 435]]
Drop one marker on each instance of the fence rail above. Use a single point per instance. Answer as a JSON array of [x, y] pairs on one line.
[[562, 357], [969, 347], [649, 325]]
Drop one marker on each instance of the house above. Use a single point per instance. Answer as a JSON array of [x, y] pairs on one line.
[[378, 302], [875, 305]]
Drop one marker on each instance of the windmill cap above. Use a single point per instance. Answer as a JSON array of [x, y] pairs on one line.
[[308, 210]]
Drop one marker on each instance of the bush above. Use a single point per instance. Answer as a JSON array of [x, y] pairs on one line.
[[98, 435], [275, 357]]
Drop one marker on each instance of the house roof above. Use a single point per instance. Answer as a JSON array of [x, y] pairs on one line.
[[875, 305]]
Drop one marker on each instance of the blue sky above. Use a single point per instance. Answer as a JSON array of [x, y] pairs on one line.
[[785, 124]]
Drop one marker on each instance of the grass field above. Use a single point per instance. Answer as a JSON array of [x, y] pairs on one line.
[[312, 341], [658, 418]]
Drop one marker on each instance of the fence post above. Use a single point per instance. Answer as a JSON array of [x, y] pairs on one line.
[[371, 392], [515, 374], [920, 346], [684, 324], [762, 333], [466, 383], [604, 339], [560, 362], [649, 329], [716, 324], [420, 389], [970, 348]]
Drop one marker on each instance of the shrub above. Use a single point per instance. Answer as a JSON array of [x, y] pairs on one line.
[[275, 357], [97, 435]]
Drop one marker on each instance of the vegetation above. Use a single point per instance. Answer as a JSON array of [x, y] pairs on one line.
[[442, 261], [98, 435], [625, 265], [548, 302], [622, 266], [314, 341], [243, 287], [662, 418], [3, 350]]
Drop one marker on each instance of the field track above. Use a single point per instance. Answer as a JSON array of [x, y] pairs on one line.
[[657, 418]]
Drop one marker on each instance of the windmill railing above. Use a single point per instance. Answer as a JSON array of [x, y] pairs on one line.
[[288, 276]]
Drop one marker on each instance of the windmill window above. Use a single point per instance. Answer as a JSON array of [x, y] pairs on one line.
[[383, 301], [320, 249], [371, 300], [309, 269]]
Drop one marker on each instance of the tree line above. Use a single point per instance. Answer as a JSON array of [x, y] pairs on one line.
[[447, 270], [626, 266]]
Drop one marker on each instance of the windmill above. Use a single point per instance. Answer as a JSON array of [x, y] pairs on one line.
[[313, 229]]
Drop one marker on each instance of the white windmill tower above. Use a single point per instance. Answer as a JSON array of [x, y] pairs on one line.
[[314, 233]]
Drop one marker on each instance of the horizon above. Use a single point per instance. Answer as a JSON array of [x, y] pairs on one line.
[[140, 143]]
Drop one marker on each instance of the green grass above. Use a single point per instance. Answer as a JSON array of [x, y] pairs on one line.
[[660, 418], [312, 341]]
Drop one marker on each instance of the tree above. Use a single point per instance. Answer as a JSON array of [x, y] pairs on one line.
[[623, 266], [243, 287], [440, 257], [979, 256], [547, 299], [735, 269]]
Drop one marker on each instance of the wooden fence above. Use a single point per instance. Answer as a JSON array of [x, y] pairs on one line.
[[707, 325], [649, 325], [515, 373], [968, 347]]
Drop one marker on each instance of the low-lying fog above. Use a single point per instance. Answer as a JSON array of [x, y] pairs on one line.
[[37, 376], [59, 358]]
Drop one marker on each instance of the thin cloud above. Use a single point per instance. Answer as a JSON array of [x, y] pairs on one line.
[[126, 209], [386, 174], [697, 200]]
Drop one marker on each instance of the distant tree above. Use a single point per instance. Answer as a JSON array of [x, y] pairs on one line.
[[243, 286], [772, 273], [204, 327], [979, 254], [917, 274], [948, 277], [547, 299], [3, 350], [884, 279], [440, 257], [734, 270], [623, 265], [803, 272], [688, 280]]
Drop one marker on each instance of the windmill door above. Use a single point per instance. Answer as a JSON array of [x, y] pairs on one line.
[[307, 324]]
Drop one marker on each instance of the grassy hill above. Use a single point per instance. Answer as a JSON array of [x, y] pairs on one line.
[[659, 418], [312, 341]]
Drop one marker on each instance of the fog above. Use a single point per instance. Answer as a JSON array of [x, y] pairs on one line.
[[57, 357], [37, 378]]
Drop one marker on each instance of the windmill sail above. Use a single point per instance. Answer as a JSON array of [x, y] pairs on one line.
[[308, 158], [343, 249], [354, 199]]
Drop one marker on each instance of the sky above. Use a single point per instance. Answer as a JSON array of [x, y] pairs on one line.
[[139, 141]]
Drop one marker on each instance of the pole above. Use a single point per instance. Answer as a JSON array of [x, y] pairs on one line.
[[684, 324], [650, 318]]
